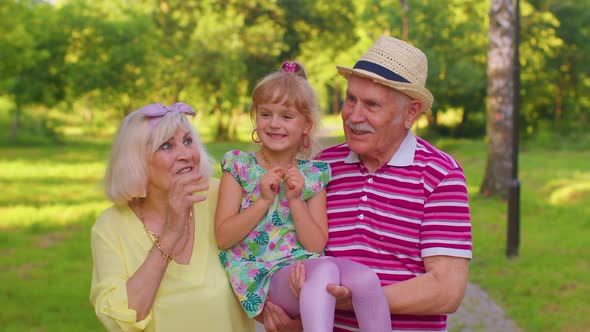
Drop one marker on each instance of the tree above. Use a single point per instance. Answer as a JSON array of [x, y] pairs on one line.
[[332, 23], [500, 101], [568, 56], [450, 35], [110, 57], [31, 73], [236, 43]]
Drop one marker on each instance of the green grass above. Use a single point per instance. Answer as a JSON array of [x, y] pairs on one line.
[[51, 196]]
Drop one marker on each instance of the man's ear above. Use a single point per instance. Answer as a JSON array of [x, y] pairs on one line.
[[414, 109]]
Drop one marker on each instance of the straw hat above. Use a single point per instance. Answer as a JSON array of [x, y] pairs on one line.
[[397, 64]]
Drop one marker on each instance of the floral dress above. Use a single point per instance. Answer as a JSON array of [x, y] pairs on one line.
[[273, 243]]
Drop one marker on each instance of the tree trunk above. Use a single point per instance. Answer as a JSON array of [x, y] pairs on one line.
[[464, 118], [234, 123], [336, 92], [87, 111], [15, 125], [222, 131], [405, 19], [500, 99], [558, 105]]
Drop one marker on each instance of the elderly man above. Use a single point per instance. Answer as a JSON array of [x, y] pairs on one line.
[[395, 202]]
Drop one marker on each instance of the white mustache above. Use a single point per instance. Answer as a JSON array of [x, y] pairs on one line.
[[364, 126]]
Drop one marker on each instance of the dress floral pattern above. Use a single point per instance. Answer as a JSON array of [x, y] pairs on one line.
[[273, 243]]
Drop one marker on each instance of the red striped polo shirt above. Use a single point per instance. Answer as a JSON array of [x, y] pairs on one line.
[[413, 207]]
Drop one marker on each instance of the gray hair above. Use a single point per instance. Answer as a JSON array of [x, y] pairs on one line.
[[126, 177]]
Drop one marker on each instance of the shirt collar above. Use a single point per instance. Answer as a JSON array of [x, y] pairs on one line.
[[404, 156]]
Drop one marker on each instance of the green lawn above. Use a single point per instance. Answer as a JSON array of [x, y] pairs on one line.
[[51, 196]]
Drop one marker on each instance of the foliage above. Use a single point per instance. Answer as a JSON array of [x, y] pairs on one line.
[[109, 59], [99, 60]]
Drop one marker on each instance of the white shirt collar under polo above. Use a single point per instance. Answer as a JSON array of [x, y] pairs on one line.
[[404, 156]]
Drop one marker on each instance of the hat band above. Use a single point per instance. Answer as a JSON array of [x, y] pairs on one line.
[[379, 70]]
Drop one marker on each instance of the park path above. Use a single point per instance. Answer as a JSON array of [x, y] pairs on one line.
[[480, 313]]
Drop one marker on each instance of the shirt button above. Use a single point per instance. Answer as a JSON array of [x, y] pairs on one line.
[[364, 198], [362, 216], [370, 180]]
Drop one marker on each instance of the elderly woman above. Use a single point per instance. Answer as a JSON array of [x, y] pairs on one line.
[[154, 251]]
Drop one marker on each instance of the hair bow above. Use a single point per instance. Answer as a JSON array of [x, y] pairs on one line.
[[289, 67], [156, 111]]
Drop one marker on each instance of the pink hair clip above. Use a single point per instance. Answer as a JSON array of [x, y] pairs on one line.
[[289, 67]]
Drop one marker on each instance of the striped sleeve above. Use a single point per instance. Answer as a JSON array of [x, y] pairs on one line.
[[446, 227]]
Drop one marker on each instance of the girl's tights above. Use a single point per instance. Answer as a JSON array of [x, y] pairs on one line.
[[316, 306]]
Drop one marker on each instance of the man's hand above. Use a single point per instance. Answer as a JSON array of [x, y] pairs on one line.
[[276, 319], [342, 295]]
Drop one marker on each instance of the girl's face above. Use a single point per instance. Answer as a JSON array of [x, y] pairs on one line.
[[281, 128]]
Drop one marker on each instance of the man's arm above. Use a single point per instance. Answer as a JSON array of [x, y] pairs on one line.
[[438, 291]]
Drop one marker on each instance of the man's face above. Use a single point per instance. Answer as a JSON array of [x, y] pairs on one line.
[[374, 119]]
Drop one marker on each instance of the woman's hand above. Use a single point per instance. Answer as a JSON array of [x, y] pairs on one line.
[[294, 182], [276, 319], [181, 199], [270, 183]]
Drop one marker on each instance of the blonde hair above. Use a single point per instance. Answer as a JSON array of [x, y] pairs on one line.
[[293, 90], [126, 177]]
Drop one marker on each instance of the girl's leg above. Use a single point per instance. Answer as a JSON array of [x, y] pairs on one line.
[[369, 302], [316, 305], [280, 293]]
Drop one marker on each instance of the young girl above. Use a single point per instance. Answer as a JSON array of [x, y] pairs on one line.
[[271, 212]]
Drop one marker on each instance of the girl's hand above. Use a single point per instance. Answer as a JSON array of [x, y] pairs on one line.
[[181, 198], [297, 278], [270, 183], [294, 182]]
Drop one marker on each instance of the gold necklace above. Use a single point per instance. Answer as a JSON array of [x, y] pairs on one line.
[[271, 166], [155, 238]]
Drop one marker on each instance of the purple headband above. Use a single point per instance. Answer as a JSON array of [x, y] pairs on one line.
[[156, 111]]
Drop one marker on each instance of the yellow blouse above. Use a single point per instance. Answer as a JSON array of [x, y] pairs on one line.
[[193, 297]]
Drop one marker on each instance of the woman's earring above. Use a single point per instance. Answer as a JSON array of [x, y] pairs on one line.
[[257, 139], [306, 143]]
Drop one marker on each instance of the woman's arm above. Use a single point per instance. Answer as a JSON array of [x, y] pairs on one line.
[[143, 285], [113, 294], [231, 225]]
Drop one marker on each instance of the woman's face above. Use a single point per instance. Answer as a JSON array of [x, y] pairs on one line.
[[177, 155]]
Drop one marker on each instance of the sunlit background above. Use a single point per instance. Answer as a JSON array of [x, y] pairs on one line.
[[71, 70]]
